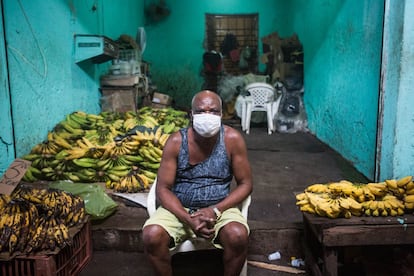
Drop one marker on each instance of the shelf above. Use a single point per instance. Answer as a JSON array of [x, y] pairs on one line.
[[97, 48]]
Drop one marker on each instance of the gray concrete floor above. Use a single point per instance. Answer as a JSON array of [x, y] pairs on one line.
[[282, 165]]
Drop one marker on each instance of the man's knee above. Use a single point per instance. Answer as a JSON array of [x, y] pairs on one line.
[[234, 234], [155, 236]]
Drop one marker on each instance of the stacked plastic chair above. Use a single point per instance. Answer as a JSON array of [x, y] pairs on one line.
[[263, 98]]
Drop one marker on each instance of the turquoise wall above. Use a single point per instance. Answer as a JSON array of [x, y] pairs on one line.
[[393, 24], [342, 75], [404, 142], [45, 83], [7, 151], [175, 45], [396, 147]]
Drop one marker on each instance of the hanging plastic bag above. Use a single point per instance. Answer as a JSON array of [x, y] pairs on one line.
[[97, 203]]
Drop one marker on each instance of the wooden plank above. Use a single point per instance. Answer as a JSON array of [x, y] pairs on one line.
[[311, 260], [330, 260], [276, 267], [325, 222], [368, 235]]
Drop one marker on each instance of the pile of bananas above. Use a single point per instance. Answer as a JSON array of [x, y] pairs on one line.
[[393, 197], [38, 219], [53, 203], [110, 147]]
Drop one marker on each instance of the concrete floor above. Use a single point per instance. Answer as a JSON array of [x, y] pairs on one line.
[[282, 165]]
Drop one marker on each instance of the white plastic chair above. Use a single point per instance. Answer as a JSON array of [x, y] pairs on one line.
[[194, 243], [263, 98]]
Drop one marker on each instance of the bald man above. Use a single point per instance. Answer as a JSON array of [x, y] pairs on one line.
[[193, 189]]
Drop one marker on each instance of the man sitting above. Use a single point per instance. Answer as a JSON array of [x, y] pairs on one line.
[[193, 189]]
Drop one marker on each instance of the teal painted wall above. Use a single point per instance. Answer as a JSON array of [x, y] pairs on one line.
[[45, 82], [7, 151], [342, 75], [404, 147], [393, 35], [175, 45]]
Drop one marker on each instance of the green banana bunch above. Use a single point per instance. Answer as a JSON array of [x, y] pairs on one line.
[[32, 174], [85, 162]]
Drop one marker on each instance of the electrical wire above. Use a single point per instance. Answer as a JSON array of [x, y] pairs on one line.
[[19, 53]]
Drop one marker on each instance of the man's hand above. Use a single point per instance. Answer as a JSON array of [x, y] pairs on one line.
[[204, 221]]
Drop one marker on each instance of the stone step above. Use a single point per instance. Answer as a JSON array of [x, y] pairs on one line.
[[123, 232]]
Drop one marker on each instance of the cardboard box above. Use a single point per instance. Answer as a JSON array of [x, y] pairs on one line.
[[119, 99], [157, 105], [13, 175], [119, 80], [160, 98]]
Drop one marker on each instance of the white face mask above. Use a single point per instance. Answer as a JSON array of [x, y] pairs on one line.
[[207, 125]]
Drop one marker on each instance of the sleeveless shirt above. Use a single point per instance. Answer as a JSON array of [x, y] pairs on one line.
[[205, 183]]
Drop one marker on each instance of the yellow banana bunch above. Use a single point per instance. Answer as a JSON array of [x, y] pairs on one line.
[[342, 187], [378, 189], [61, 141], [403, 182], [302, 200], [150, 154], [17, 218], [133, 182], [389, 205], [163, 139], [409, 202], [331, 205], [147, 120], [324, 205], [37, 235], [399, 187], [392, 197], [53, 203], [46, 147], [73, 153], [118, 148], [317, 188], [351, 205], [69, 127], [393, 187], [130, 123]]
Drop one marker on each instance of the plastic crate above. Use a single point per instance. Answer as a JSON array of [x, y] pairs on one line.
[[69, 261]]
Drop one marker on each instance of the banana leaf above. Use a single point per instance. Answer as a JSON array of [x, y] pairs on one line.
[[97, 202]]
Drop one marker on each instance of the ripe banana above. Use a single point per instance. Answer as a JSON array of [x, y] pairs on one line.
[[317, 188], [392, 184], [404, 181]]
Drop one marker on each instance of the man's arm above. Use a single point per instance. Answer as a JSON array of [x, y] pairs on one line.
[[241, 170], [166, 178]]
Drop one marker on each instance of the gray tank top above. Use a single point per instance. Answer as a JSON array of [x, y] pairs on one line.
[[206, 183]]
